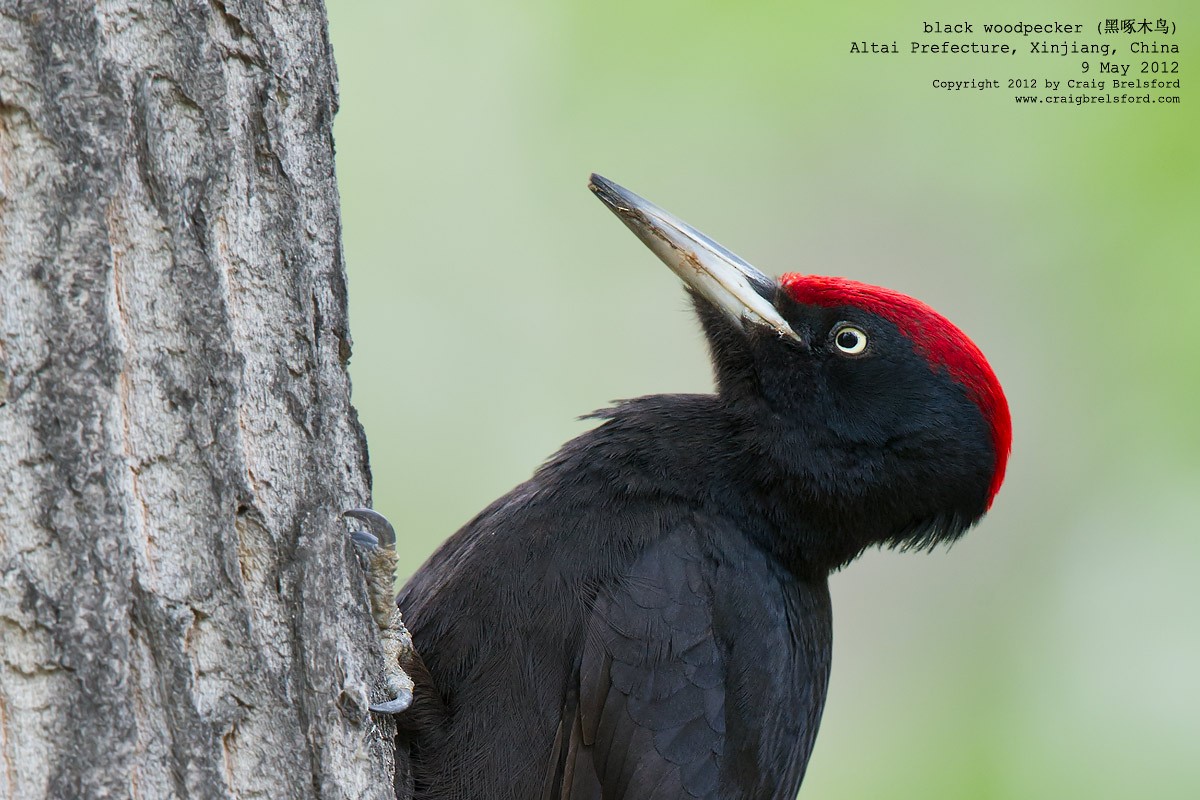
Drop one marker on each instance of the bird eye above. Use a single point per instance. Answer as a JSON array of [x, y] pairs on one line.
[[850, 340]]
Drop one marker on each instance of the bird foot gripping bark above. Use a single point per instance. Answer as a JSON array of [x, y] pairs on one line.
[[378, 542]]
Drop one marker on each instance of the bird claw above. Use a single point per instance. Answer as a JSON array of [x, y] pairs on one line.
[[400, 703], [378, 528], [379, 543], [367, 541]]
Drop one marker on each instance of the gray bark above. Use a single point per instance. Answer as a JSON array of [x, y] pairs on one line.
[[180, 613]]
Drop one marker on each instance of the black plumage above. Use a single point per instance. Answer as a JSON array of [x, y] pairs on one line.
[[648, 616]]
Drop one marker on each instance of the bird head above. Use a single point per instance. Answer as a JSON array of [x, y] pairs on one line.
[[872, 415]]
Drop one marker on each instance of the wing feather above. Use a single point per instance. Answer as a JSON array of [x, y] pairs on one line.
[[649, 719]]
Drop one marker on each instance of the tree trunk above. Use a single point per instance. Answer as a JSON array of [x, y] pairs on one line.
[[180, 612]]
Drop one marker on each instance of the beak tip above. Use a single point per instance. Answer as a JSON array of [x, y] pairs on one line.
[[605, 190]]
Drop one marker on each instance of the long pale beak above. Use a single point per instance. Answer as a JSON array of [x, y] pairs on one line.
[[719, 276]]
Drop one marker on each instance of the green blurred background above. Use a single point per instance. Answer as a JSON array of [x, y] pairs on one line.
[[1054, 652]]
